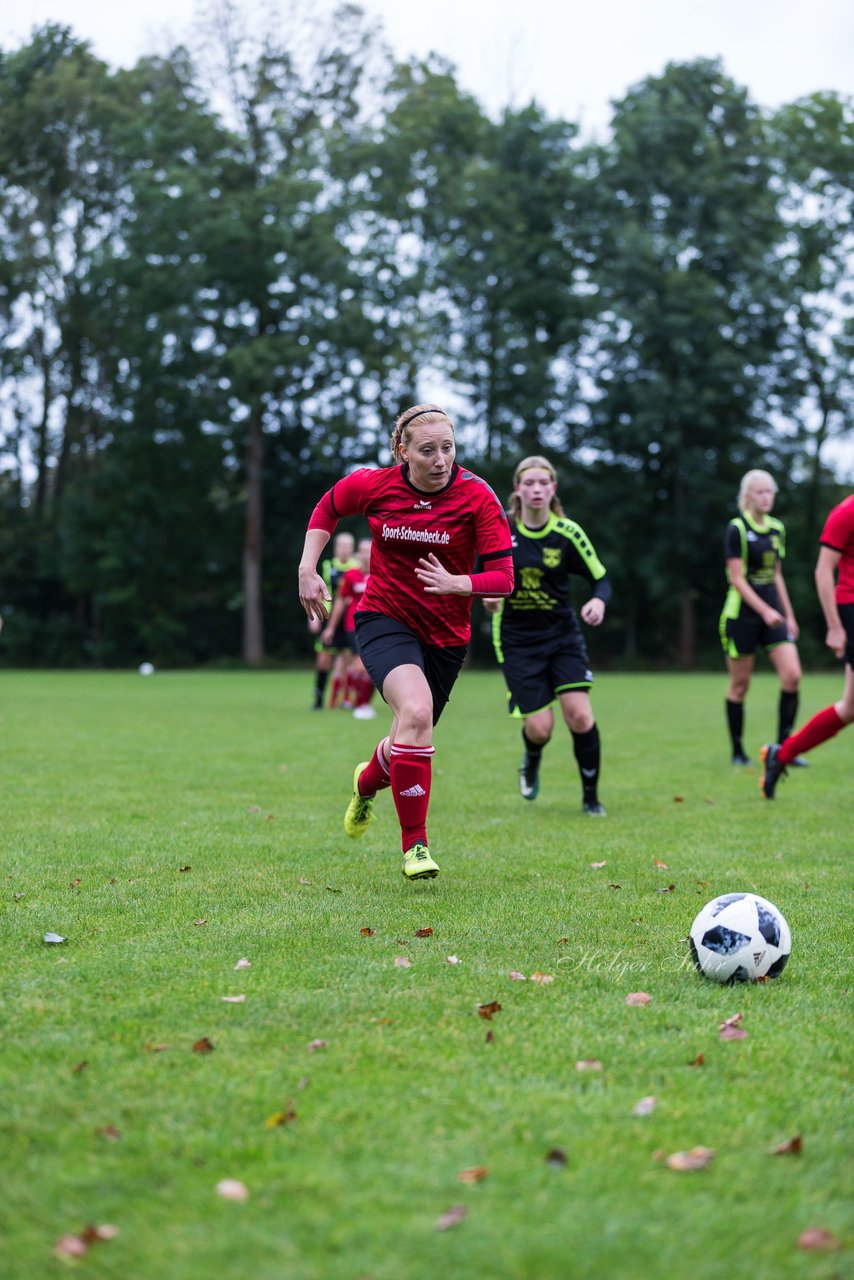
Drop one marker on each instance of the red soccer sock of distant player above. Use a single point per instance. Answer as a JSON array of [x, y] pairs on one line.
[[376, 775], [364, 689], [335, 694], [411, 773], [824, 724]]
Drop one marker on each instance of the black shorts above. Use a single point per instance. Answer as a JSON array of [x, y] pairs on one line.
[[536, 675], [384, 643], [744, 632], [341, 639], [846, 617]]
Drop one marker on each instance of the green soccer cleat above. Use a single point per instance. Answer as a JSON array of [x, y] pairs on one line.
[[360, 810], [418, 865]]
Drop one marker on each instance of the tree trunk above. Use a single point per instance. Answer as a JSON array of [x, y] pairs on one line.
[[253, 620]]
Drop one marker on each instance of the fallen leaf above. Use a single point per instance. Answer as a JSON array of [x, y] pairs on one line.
[[815, 1238], [668, 889], [243, 964], [108, 1131], [270, 817], [791, 1147], [79, 1067], [690, 1161], [698, 1061], [75, 883], [452, 959], [542, 979], [234, 999], [231, 1189], [114, 880], [644, 1107], [638, 997], [331, 889], [314, 1045], [70, 1247], [489, 1037], [656, 862], [556, 1157], [366, 932], [561, 942], [732, 1033], [279, 1118], [588, 1064], [597, 866], [254, 808], [185, 868], [203, 1046], [487, 1010], [678, 799], [150, 1047], [199, 923], [402, 962], [730, 1022], [517, 976], [704, 884], [477, 1174], [424, 933], [611, 885], [54, 937], [451, 1217], [92, 1234], [303, 880], [18, 896]]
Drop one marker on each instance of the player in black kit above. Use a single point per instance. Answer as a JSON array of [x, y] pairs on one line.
[[535, 631]]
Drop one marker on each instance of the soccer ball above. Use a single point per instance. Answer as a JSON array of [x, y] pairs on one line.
[[740, 937], [145, 669]]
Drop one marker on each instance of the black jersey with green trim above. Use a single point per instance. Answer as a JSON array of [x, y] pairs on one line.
[[543, 561], [759, 547], [332, 571]]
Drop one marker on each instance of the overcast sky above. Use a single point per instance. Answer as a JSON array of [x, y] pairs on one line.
[[573, 56]]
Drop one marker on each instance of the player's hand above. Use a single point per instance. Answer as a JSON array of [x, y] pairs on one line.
[[792, 627], [836, 640], [326, 635], [313, 595], [772, 618], [593, 612], [492, 603], [314, 625], [436, 580]]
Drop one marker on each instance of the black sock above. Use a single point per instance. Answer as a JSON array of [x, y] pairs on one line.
[[788, 711], [320, 679], [735, 720], [533, 750], [588, 755]]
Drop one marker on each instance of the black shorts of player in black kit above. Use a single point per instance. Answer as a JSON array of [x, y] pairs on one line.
[[384, 643], [846, 617], [745, 632], [536, 676]]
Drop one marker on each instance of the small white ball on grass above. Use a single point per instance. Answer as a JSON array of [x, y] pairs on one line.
[[145, 669]]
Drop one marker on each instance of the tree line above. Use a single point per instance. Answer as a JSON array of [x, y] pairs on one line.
[[225, 271]]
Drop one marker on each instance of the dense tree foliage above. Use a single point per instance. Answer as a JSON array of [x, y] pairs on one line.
[[223, 272]]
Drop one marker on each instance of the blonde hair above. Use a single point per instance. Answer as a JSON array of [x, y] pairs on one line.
[[514, 509], [748, 480], [424, 414]]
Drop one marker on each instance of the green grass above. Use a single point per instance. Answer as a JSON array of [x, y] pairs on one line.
[[219, 798]]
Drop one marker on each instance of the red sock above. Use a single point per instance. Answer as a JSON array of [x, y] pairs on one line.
[[375, 776], [823, 725], [364, 690], [335, 693], [411, 771]]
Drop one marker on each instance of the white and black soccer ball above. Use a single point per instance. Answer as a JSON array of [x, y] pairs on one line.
[[740, 937], [146, 669]]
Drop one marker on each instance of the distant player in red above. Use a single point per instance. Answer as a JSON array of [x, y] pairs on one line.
[[834, 580], [358, 687], [429, 519]]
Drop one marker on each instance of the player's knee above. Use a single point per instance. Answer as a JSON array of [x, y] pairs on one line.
[[417, 716]]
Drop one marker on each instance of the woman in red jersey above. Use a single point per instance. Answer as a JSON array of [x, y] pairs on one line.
[[429, 519], [834, 580]]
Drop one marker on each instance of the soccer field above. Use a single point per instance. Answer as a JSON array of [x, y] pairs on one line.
[[382, 1127]]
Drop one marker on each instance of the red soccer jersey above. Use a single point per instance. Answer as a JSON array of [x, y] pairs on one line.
[[838, 534], [352, 589], [457, 523]]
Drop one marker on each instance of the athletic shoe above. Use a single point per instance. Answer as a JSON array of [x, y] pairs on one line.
[[529, 777], [365, 712], [799, 762], [418, 865], [772, 770], [594, 809], [360, 810], [738, 757]]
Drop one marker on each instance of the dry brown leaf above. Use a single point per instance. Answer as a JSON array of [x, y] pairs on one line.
[[517, 976], [556, 1157], [314, 1045], [588, 1064], [561, 942], [816, 1238], [199, 923], [402, 962], [690, 1161], [185, 868], [477, 1174], [70, 1247], [424, 933], [704, 884], [93, 1235], [542, 979], [331, 889], [451, 1217], [75, 883], [487, 1010], [730, 1022], [243, 964], [638, 997], [367, 932], [231, 1189], [489, 1037], [281, 1117], [791, 1147], [233, 999], [79, 1067], [668, 889], [597, 866], [452, 959], [644, 1107], [303, 880], [698, 1061], [611, 885], [203, 1045], [108, 1131], [662, 866], [732, 1033], [678, 799], [151, 1047]]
